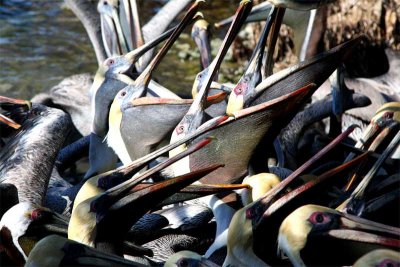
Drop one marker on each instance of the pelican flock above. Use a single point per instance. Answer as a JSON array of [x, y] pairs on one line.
[[262, 171]]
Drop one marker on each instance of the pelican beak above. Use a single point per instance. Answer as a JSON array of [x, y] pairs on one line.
[[361, 230], [6, 101], [117, 192], [147, 198], [204, 78], [315, 224], [135, 54], [9, 122], [200, 34], [195, 191], [141, 83]]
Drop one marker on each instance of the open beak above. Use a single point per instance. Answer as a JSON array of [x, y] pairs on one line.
[[200, 35], [138, 89], [252, 76], [204, 78]]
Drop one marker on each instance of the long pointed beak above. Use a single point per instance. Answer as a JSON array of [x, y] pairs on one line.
[[138, 164], [195, 191], [276, 191], [5, 101], [9, 122], [252, 76], [360, 190], [135, 54], [117, 192], [138, 89], [208, 74], [361, 230], [163, 51], [122, 44], [301, 190], [147, 198]]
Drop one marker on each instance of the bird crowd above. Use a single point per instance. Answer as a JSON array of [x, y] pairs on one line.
[[258, 172]]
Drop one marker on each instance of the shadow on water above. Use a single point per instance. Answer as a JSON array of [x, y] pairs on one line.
[[42, 42]]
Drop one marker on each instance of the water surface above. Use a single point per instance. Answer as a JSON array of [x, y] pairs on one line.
[[42, 42]]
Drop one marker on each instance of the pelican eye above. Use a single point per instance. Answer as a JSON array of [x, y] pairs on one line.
[[183, 263], [105, 3], [110, 62], [37, 214], [123, 93], [319, 218], [388, 263], [180, 129]]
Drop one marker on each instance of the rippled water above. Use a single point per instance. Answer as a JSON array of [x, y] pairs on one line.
[[41, 42]]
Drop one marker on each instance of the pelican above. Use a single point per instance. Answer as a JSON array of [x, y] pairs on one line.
[[256, 223], [92, 217], [321, 224], [354, 205], [195, 115], [379, 257], [27, 159], [110, 79], [25, 224], [252, 76], [55, 250], [120, 107]]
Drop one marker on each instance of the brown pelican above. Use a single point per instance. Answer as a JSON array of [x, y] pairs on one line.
[[266, 213], [379, 257], [120, 115], [92, 217], [25, 224], [22, 159], [108, 81], [354, 236], [55, 250], [196, 115], [252, 76]]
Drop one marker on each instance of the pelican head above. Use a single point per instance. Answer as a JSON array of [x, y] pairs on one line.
[[23, 225], [312, 223]]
